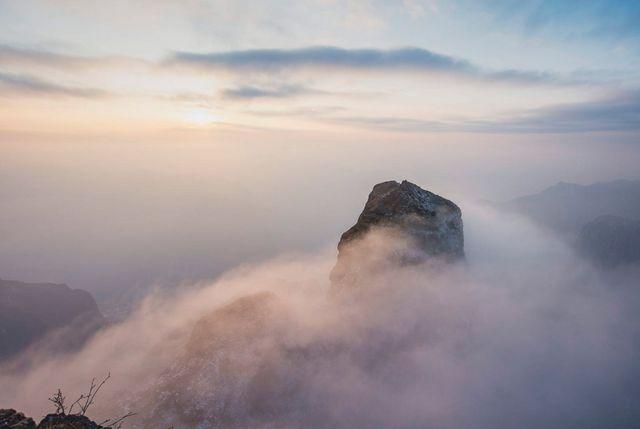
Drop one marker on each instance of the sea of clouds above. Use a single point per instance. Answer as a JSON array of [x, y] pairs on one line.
[[523, 334]]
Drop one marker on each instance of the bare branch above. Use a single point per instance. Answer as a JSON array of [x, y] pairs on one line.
[[117, 423], [91, 395], [58, 400], [84, 402], [76, 402]]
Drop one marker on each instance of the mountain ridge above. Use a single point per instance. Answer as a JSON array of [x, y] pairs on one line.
[[566, 207], [30, 312]]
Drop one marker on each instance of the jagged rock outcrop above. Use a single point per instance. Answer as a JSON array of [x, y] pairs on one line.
[[412, 225], [11, 419], [31, 311], [609, 241]]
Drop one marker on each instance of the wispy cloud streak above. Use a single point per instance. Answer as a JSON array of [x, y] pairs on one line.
[[11, 84], [329, 57], [248, 92], [616, 113], [12, 55]]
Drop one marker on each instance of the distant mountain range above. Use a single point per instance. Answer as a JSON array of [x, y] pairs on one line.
[[33, 312], [567, 207], [600, 219], [610, 241]]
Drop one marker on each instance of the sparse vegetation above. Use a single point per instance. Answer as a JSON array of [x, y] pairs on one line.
[[81, 405]]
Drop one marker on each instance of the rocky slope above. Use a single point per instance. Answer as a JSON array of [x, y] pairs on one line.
[[29, 312], [610, 241], [234, 371]]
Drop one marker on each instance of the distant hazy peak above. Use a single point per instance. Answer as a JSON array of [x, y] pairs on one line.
[[567, 207], [31, 311], [610, 241]]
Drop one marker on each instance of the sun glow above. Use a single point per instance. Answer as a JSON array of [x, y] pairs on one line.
[[200, 117]]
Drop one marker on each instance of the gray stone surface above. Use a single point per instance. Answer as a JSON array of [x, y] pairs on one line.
[[413, 225]]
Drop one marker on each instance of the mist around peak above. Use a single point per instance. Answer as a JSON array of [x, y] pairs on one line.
[[523, 334]]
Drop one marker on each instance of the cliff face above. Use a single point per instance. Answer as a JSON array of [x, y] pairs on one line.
[[30, 311], [401, 224]]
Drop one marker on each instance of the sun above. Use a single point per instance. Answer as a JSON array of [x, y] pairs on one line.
[[199, 116]]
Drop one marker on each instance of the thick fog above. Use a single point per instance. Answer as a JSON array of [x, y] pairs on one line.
[[117, 217], [521, 335]]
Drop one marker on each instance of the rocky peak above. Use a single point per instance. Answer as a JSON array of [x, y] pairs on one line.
[[421, 225]]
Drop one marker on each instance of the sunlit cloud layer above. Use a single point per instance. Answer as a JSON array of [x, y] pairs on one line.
[[402, 67]]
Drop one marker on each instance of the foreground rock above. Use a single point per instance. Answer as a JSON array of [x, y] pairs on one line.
[[61, 421], [401, 224], [29, 312], [610, 241], [11, 419]]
